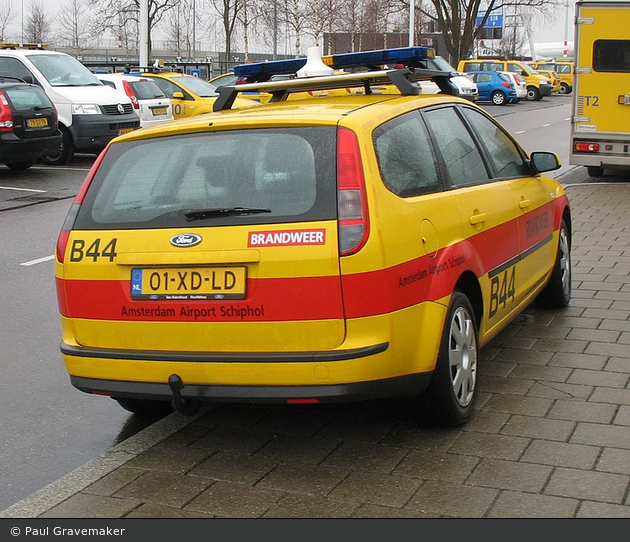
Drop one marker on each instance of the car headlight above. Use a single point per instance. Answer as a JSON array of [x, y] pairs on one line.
[[86, 109]]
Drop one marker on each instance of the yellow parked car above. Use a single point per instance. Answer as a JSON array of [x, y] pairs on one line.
[[314, 250], [554, 78], [190, 95], [565, 70]]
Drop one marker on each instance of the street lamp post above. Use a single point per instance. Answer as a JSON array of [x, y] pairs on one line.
[[412, 20]]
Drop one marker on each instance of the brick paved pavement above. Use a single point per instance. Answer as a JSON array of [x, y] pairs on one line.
[[550, 438]]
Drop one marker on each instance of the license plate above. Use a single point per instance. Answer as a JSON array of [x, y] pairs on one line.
[[188, 283], [124, 131], [36, 123], [159, 111]]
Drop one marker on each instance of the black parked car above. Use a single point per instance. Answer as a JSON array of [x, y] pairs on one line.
[[28, 124]]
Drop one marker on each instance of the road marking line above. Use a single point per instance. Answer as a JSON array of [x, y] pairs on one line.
[[39, 260], [22, 189]]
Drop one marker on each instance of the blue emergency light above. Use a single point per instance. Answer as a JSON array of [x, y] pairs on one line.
[[401, 55], [274, 67]]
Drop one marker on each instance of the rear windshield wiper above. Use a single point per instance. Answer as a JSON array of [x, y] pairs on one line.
[[200, 214]]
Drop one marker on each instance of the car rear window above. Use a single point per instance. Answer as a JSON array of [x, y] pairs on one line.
[[281, 175], [145, 90], [27, 98]]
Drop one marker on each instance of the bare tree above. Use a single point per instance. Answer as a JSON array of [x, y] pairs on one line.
[[179, 29], [73, 25], [228, 11], [6, 14], [457, 19], [37, 24], [121, 15]]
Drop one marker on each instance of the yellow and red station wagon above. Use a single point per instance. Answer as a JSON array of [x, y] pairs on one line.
[[328, 249]]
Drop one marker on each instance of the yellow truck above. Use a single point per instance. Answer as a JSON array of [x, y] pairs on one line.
[[600, 120]]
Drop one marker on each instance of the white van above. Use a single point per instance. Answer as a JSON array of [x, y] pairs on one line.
[[463, 86], [90, 113]]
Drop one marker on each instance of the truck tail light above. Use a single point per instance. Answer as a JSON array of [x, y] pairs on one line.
[[586, 146], [351, 195]]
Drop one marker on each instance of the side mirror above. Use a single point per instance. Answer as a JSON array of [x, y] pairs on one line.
[[178, 95], [544, 161]]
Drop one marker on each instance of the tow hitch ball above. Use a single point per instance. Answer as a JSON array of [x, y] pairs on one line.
[[187, 407]]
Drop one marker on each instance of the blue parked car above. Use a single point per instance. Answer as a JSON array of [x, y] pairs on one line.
[[495, 87]]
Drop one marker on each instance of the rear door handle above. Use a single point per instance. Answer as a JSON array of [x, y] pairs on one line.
[[524, 203], [477, 218]]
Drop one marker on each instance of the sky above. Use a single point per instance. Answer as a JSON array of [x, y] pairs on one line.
[[548, 28]]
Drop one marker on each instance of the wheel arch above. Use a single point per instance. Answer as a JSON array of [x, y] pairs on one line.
[[468, 283]]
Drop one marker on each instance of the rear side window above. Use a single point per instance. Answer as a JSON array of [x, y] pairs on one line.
[[27, 98], [405, 156], [611, 56], [493, 66], [15, 68], [274, 175], [461, 156]]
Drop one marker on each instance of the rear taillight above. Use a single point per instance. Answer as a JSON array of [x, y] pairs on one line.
[[508, 85], [351, 196], [66, 228], [6, 116], [129, 92], [586, 146]]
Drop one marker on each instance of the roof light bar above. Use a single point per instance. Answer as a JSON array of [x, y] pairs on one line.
[[402, 55]]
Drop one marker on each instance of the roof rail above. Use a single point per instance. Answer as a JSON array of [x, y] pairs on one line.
[[402, 78]]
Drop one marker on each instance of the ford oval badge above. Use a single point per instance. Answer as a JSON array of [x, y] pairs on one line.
[[186, 240]]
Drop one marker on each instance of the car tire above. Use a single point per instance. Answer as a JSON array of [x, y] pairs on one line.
[[145, 407], [557, 293], [499, 98], [449, 398], [533, 94], [62, 155], [564, 88], [20, 166], [595, 171]]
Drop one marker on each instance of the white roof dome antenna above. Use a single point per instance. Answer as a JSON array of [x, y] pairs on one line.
[[314, 65]]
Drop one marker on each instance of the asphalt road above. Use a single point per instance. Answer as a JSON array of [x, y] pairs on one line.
[[48, 428]]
